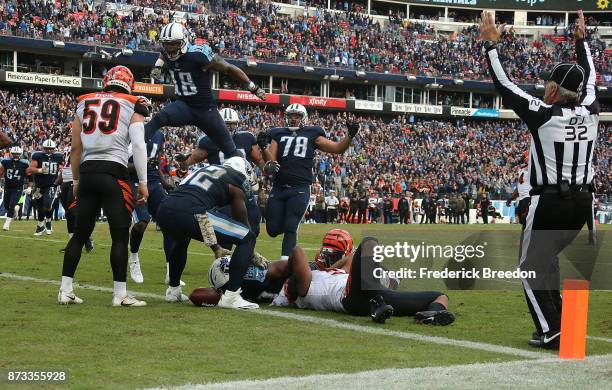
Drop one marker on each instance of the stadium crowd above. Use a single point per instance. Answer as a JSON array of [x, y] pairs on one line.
[[390, 156], [239, 28]]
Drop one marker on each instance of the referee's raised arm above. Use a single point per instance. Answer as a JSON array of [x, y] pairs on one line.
[[530, 109], [588, 96]]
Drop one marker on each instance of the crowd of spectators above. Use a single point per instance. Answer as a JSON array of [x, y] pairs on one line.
[[248, 28], [391, 154]]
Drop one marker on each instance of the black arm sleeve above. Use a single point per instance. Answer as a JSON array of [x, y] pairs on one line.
[[588, 96], [530, 109]]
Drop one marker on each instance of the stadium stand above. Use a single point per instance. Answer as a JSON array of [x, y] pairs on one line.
[[326, 38], [393, 153]]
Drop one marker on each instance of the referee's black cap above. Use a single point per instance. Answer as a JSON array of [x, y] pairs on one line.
[[568, 76]]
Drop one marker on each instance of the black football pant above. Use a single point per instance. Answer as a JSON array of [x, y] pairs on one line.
[[362, 286], [69, 205], [114, 196], [552, 224]]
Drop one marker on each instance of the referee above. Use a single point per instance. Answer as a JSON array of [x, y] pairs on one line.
[[563, 134]]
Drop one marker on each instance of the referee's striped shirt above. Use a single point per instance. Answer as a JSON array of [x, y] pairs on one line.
[[563, 137]]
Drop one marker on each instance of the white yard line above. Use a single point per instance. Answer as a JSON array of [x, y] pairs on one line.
[[607, 340], [97, 244], [108, 246], [593, 372], [333, 324]]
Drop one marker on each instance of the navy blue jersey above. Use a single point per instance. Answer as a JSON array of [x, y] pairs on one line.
[[191, 83], [209, 186], [244, 144], [295, 153], [14, 172], [255, 282], [53, 162], [155, 147]]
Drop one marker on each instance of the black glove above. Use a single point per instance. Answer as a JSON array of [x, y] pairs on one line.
[[262, 140], [271, 167], [257, 91], [353, 129], [508, 202]]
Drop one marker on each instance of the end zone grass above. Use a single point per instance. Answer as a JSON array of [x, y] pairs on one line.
[[165, 344]]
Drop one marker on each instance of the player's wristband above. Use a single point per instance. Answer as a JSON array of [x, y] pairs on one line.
[[252, 86], [142, 183], [159, 63]]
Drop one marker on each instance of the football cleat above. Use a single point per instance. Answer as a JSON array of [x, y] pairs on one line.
[[535, 335], [233, 300], [7, 224], [547, 341], [167, 280], [68, 298], [175, 294], [435, 317], [379, 310], [39, 231], [135, 271], [89, 245], [127, 300], [48, 228]]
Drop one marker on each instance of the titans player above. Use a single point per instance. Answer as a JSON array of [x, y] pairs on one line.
[[186, 214], [247, 147], [45, 166], [14, 171], [290, 156], [190, 68], [157, 185]]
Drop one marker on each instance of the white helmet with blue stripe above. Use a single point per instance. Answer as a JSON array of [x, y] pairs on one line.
[[174, 39], [218, 273], [16, 151], [49, 144], [296, 108], [229, 115], [239, 164]]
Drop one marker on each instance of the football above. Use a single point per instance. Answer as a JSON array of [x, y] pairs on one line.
[[205, 296]]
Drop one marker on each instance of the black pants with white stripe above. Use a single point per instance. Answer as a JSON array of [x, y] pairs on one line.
[[552, 224]]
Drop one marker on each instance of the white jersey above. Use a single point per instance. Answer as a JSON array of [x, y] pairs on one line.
[[332, 202], [325, 293], [105, 117], [522, 184], [66, 170]]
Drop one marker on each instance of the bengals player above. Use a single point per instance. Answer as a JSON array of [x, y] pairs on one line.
[[104, 126]]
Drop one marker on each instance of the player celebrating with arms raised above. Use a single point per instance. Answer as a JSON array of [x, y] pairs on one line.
[[290, 156], [190, 68]]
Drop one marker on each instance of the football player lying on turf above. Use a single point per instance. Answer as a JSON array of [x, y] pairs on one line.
[[336, 290]]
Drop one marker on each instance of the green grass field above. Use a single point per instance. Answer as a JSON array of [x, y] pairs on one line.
[[173, 344]]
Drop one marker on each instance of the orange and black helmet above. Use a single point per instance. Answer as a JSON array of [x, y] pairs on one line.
[[337, 244]]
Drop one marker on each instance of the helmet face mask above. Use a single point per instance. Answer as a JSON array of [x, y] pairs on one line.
[[174, 39], [174, 49], [337, 244], [16, 152], [296, 116], [49, 146]]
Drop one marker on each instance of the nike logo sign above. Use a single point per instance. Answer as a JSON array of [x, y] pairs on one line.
[[547, 340], [126, 304]]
